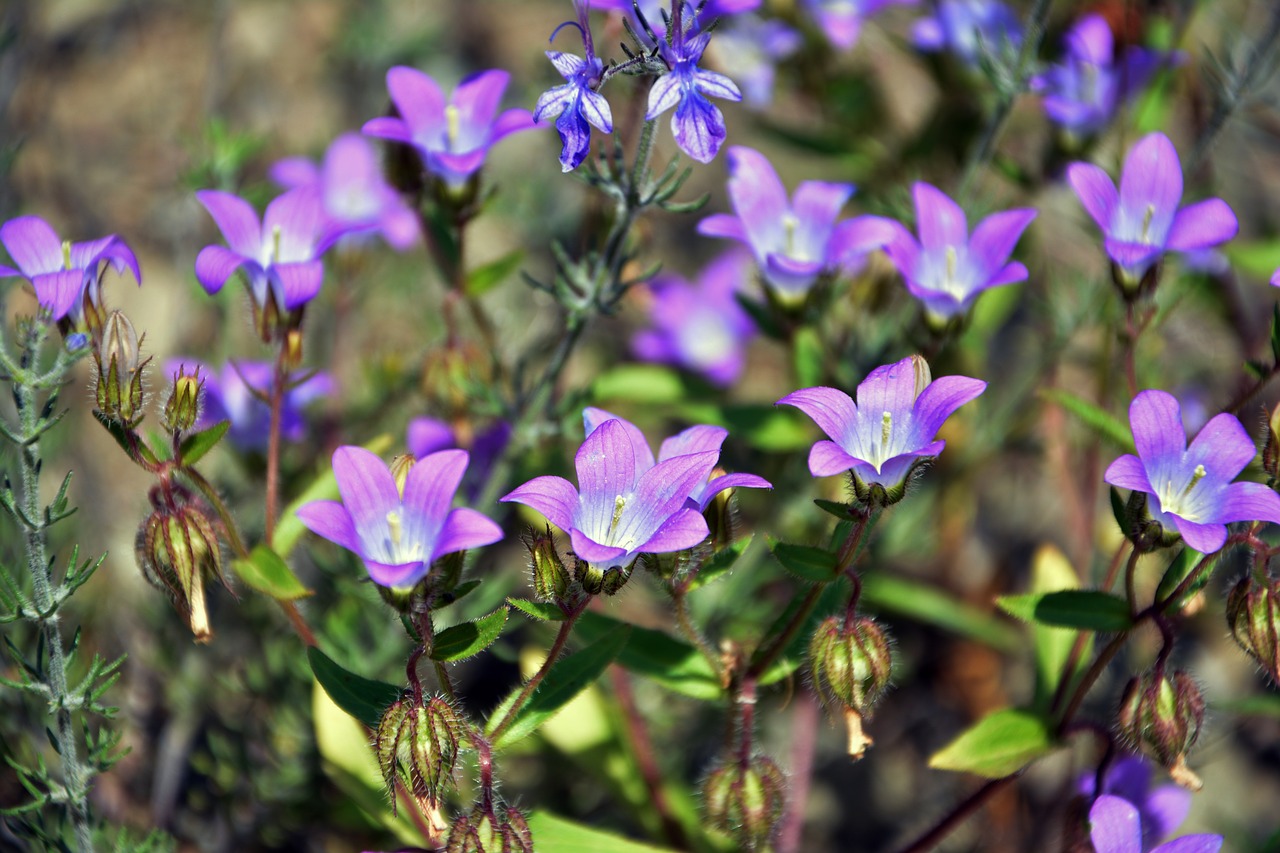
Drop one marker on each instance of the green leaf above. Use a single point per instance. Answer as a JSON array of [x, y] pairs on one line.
[[484, 278], [1088, 609], [1102, 422], [805, 562], [458, 593], [768, 428], [915, 599], [268, 573], [1052, 572], [807, 356], [461, 641], [657, 655], [564, 836], [841, 511], [721, 563], [323, 488], [999, 744], [1258, 258], [540, 611], [1179, 568], [567, 678], [762, 316], [362, 698], [195, 446], [1119, 510], [1264, 705], [639, 383]]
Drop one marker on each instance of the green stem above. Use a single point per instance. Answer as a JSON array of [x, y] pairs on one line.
[[279, 377], [557, 648], [75, 774]]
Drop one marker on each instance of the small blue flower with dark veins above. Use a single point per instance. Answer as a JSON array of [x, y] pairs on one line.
[[577, 104]]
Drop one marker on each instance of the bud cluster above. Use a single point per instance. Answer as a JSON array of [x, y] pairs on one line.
[[485, 830], [1164, 714], [426, 738], [177, 549], [745, 800], [1253, 614], [851, 662]]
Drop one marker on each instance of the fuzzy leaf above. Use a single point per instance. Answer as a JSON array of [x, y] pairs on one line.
[[362, 698], [805, 562], [657, 655], [721, 563], [540, 611], [999, 744], [268, 573], [1088, 609], [196, 445], [461, 641]]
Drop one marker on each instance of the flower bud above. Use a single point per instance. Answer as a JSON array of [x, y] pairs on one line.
[[424, 737], [485, 831], [595, 580], [550, 577], [118, 392], [182, 409], [851, 664], [745, 800], [1271, 448], [1165, 715], [1253, 614], [177, 548]]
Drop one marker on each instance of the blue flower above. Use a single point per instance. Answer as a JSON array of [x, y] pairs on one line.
[[576, 102]]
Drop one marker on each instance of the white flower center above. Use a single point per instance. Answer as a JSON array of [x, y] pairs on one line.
[[1182, 503]]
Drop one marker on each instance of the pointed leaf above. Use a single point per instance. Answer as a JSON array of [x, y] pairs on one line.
[[931, 605], [196, 445], [1052, 572], [999, 744], [460, 642], [1088, 609], [268, 573], [721, 563], [484, 278], [841, 511], [362, 698], [807, 357], [566, 679], [1100, 421], [639, 383], [1179, 568], [540, 611], [805, 562], [551, 832], [657, 655]]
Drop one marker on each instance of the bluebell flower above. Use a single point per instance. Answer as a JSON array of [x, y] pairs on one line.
[[577, 104]]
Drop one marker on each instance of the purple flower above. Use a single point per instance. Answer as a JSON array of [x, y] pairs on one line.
[[355, 197], [655, 13], [398, 533], [747, 48], [1115, 826], [890, 430], [841, 20], [698, 125], [794, 241], [628, 504], [1142, 221], [279, 257], [230, 396], [1275, 278], [947, 269], [1190, 488], [67, 276], [453, 136], [1162, 809], [429, 435], [968, 28], [699, 326], [1082, 94], [695, 439], [576, 103]]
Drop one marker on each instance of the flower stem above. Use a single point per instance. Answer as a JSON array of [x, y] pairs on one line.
[[557, 648], [276, 402], [959, 814], [642, 750]]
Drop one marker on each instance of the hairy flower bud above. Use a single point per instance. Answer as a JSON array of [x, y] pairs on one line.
[[182, 409], [550, 577], [1271, 449], [1253, 614], [1165, 715], [745, 800], [177, 549], [425, 739], [851, 664], [485, 830], [118, 388]]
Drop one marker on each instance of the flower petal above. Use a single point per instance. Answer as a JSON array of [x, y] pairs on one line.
[[585, 548], [606, 466], [1115, 826], [994, 238], [216, 264], [1127, 472], [388, 127], [59, 292], [664, 95], [758, 198], [33, 245], [1152, 179], [1205, 538], [298, 283], [1249, 502], [731, 227], [465, 528], [665, 487], [1201, 225], [714, 85], [595, 109], [236, 219], [698, 127], [695, 439], [1223, 447], [1163, 811], [428, 435], [939, 400], [854, 238], [429, 488], [831, 409], [1096, 191], [401, 575], [682, 530], [419, 102], [1156, 421], [330, 520], [554, 497], [827, 458], [1192, 844], [815, 205], [703, 495], [292, 220], [592, 418], [476, 100], [368, 492], [939, 221], [1090, 40]]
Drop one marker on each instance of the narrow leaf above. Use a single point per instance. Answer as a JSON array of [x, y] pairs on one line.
[[196, 445], [1100, 421], [721, 563], [999, 744], [362, 698], [567, 678], [1090, 610], [267, 572], [539, 611], [484, 278], [657, 655], [1052, 572], [807, 356], [551, 832], [805, 562], [926, 603], [469, 638]]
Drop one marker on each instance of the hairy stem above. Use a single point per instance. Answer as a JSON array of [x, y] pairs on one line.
[[557, 648], [276, 402]]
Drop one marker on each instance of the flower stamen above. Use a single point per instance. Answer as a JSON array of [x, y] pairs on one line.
[[452, 126]]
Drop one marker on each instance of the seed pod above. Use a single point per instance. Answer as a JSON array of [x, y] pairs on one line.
[[1253, 614], [550, 577], [851, 665], [386, 745], [486, 830], [177, 550], [745, 800], [1164, 715], [182, 409]]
